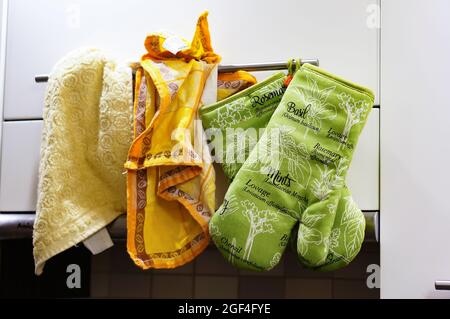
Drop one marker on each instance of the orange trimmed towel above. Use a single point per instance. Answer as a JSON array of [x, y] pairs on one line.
[[171, 180]]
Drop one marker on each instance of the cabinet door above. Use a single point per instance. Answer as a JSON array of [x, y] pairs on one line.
[[415, 149], [19, 166], [42, 31]]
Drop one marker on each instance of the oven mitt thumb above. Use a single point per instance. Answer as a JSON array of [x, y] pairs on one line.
[[341, 244], [296, 172], [344, 242]]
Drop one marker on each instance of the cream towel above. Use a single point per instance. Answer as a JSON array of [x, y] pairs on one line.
[[86, 135]]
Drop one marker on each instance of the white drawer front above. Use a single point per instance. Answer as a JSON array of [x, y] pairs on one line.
[[19, 166], [20, 162], [42, 31], [363, 175]]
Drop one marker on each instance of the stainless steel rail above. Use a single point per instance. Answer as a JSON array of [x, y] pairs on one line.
[[252, 67], [20, 226], [267, 66]]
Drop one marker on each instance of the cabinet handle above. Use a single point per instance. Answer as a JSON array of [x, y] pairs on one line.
[[442, 284]]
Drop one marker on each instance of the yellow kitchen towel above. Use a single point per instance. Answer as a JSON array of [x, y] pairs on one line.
[[171, 190], [86, 134]]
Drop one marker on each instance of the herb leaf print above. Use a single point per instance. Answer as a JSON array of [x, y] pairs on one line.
[[234, 113], [329, 179], [260, 223], [317, 100], [275, 260], [356, 113], [229, 206], [308, 236], [354, 226]]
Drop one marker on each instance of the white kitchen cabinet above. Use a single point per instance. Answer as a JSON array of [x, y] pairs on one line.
[[415, 150], [42, 31], [19, 166]]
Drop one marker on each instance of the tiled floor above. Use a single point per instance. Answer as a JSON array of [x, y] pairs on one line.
[[114, 275]]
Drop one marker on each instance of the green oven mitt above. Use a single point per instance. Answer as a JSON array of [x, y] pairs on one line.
[[331, 229], [296, 173], [249, 109], [341, 244]]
